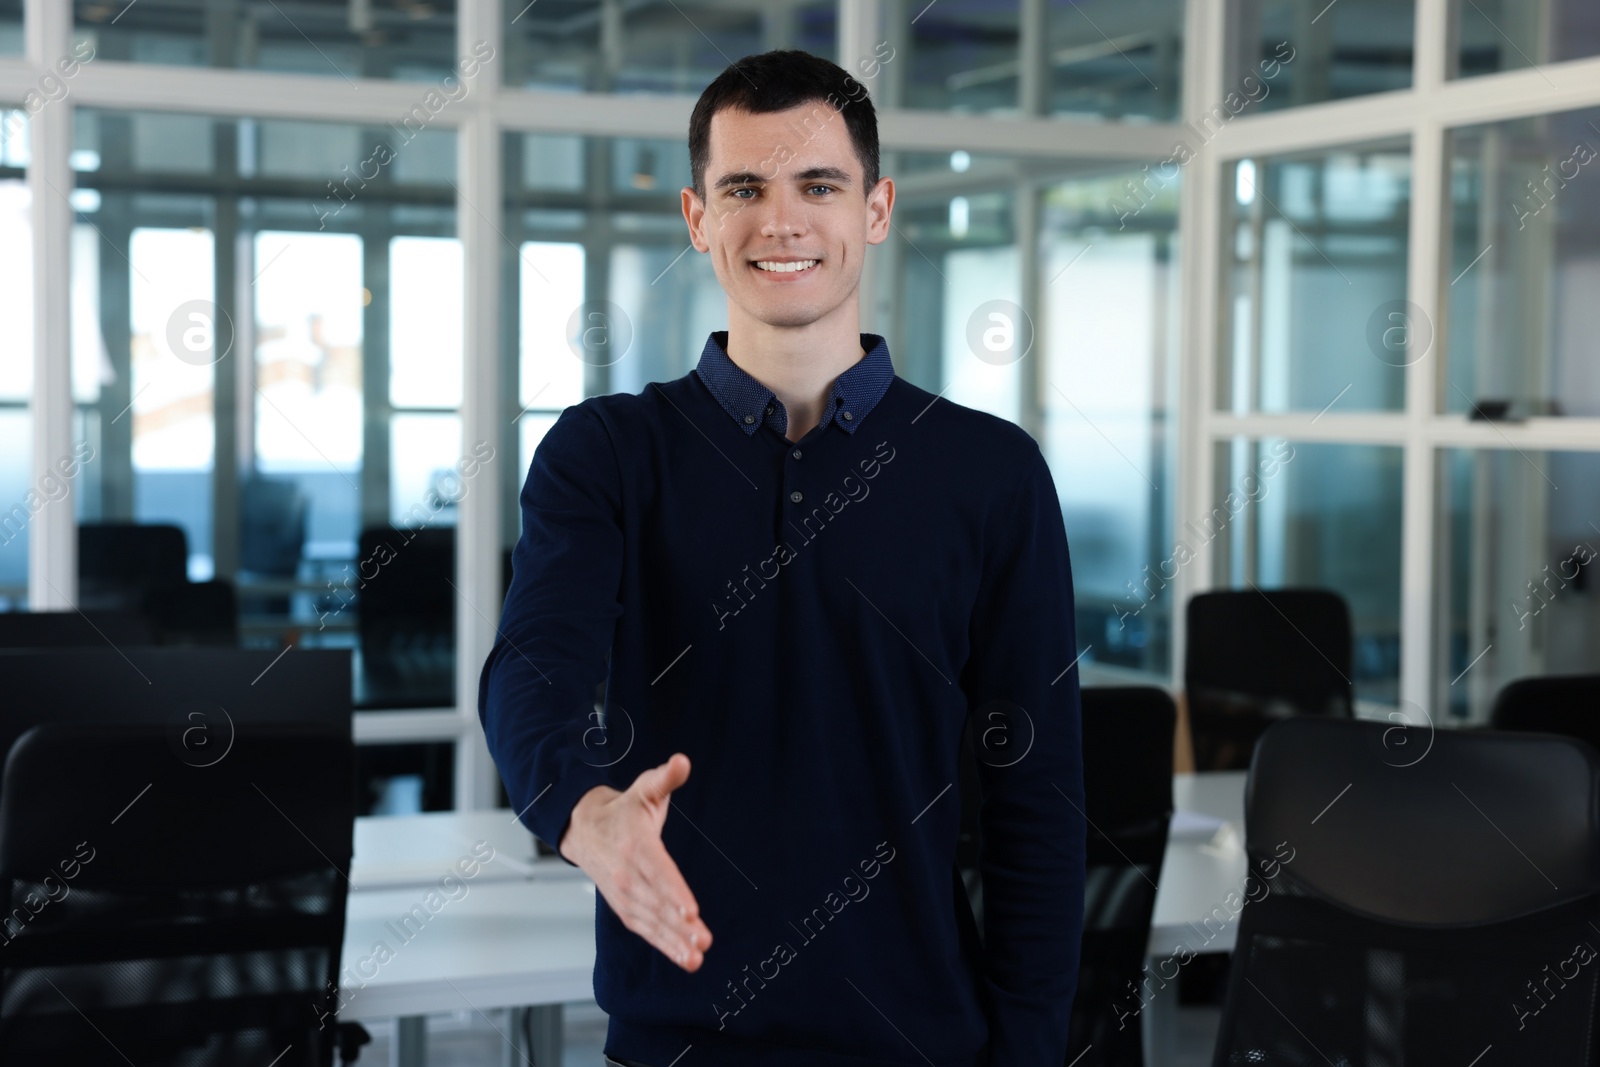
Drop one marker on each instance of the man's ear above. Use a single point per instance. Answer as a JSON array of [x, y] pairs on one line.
[[694, 213], [880, 206]]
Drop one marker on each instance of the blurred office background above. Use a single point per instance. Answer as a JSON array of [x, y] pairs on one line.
[[1309, 287]]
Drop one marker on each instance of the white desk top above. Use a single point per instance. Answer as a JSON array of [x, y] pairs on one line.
[[523, 932], [1204, 863], [499, 945], [394, 851]]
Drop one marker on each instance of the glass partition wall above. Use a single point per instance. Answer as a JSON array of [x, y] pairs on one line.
[[1397, 300], [317, 294]]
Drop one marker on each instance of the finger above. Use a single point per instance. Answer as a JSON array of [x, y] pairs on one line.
[[657, 782], [661, 889]]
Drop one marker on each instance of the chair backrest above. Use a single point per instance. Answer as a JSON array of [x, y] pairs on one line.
[[272, 535], [203, 693], [182, 911], [1560, 704], [1127, 784], [1416, 897], [120, 563], [75, 629], [407, 614], [1254, 656]]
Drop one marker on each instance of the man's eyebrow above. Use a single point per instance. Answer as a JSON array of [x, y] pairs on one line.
[[750, 177]]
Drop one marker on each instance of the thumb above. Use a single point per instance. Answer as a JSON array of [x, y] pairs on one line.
[[657, 782]]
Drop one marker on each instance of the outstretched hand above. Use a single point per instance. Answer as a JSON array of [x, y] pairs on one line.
[[615, 838]]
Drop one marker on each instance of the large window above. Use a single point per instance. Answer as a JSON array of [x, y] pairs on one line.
[[374, 39], [1524, 265], [302, 330], [267, 354], [1318, 248], [1519, 538]]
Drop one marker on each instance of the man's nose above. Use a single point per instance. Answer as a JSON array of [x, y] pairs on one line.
[[783, 214]]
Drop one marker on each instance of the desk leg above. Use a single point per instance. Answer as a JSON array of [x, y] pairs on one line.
[[410, 1042], [546, 1024], [1159, 1026]]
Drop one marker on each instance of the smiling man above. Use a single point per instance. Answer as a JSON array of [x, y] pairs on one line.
[[808, 575]]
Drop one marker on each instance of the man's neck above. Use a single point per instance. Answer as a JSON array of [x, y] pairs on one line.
[[798, 364]]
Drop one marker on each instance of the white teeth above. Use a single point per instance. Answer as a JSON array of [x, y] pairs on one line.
[[785, 268]]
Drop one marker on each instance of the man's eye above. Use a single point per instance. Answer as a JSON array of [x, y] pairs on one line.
[[746, 189], [824, 188]]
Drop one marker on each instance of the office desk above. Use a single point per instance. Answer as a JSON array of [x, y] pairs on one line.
[[521, 931], [392, 851]]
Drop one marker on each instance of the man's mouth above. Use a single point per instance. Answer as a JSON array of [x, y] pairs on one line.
[[781, 267]]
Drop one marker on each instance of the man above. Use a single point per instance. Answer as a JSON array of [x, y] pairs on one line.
[[808, 574]]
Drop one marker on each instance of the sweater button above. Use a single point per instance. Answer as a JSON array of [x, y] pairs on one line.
[[796, 496], [749, 420], [795, 453], [847, 416]]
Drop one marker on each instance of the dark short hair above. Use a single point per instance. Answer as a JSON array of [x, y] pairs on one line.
[[778, 81]]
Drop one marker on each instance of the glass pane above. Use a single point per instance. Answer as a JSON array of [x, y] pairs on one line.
[[425, 333], [1315, 314], [654, 46], [1110, 344], [19, 498], [1296, 514], [957, 56], [238, 360], [1113, 58], [1518, 536], [1327, 51], [611, 295], [405, 779], [1524, 264], [11, 39], [1494, 35], [394, 39], [173, 406]]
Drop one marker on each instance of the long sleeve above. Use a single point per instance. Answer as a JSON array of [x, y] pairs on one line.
[[536, 692], [1030, 769]]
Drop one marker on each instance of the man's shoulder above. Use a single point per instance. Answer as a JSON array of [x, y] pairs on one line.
[[969, 430], [615, 409]]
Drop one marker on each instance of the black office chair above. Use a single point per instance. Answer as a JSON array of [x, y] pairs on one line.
[[1127, 780], [164, 909], [75, 629], [1561, 704], [144, 568], [1256, 656], [408, 614], [274, 513], [121, 563], [1417, 912]]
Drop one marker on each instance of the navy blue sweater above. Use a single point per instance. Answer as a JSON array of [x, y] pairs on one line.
[[812, 623]]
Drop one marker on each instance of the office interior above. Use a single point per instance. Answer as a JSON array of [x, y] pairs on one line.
[[1306, 294]]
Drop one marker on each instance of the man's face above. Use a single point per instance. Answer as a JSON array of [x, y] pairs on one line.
[[785, 190]]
